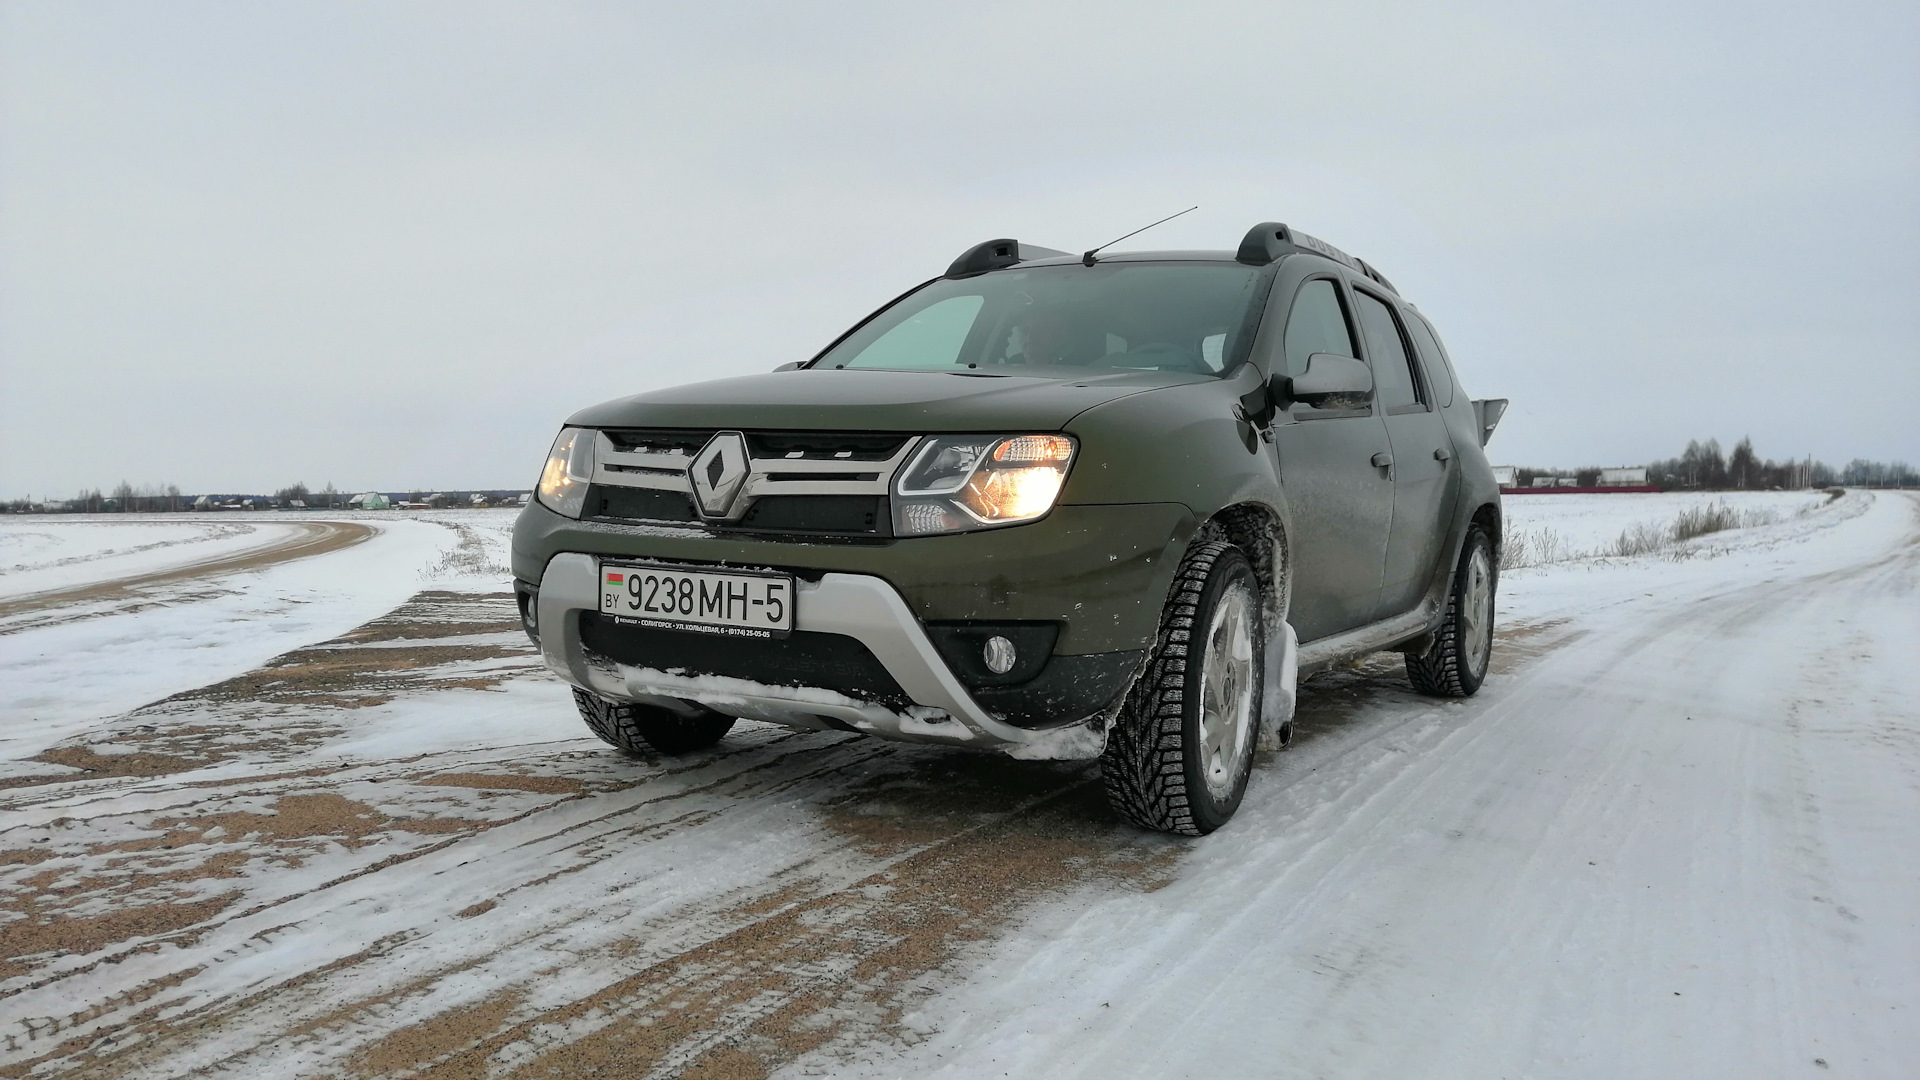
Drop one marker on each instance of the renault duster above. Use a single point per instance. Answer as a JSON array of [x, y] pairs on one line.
[[1059, 506]]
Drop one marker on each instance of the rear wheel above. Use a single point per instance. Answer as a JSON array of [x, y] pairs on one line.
[[1179, 756], [1455, 664], [639, 729]]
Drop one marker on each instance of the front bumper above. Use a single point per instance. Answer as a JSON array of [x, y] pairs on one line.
[[859, 606], [1101, 572]]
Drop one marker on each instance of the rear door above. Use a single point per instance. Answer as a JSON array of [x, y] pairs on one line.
[[1341, 501], [1425, 476]]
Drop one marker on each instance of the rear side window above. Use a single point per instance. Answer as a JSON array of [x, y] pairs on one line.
[[1392, 370], [1433, 357], [1317, 324]]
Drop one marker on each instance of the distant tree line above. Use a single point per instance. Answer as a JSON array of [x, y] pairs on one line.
[[1701, 465], [1704, 466], [147, 498], [125, 498], [327, 498], [167, 498]]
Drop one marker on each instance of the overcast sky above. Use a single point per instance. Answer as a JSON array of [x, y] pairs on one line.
[[394, 244]]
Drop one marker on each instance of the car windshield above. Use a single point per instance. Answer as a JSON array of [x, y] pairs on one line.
[[1059, 321]]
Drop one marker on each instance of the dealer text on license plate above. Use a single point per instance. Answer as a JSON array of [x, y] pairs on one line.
[[741, 605]]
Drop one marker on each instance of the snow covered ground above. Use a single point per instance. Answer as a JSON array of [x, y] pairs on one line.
[[1677, 834], [41, 554], [64, 667], [1680, 838], [1584, 525]]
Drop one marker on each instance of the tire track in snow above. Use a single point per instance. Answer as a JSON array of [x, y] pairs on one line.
[[792, 896], [812, 819], [307, 539], [1611, 863]]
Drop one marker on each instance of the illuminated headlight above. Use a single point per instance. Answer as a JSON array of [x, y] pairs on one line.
[[957, 483], [563, 483]]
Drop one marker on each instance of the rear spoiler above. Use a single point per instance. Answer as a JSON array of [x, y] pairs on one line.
[[1487, 412]]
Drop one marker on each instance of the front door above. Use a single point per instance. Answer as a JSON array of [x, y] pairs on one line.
[[1425, 478], [1341, 501]]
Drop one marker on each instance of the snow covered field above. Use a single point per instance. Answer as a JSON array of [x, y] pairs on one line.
[[1677, 834], [40, 554], [66, 665], [1585, 525]]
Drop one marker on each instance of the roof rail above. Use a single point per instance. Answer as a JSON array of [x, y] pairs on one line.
[[1269, 240], [1367, 269], [997, 255], [1264, 243]]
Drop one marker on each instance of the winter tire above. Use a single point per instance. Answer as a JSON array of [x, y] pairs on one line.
[[1178, 757], [639, 729], [1455, 664]]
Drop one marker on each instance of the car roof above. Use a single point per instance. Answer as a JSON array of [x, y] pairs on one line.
[[1264, 244], [1136, 256], [1194, 256]]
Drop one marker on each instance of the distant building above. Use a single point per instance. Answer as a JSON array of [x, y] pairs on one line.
[[1506, 475], [1623, 477], [371, 500]]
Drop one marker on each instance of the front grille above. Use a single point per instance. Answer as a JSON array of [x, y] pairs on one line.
[[657, 441], [824, 485], [639, 504], [803, 658], [823, 446], [826, 515]]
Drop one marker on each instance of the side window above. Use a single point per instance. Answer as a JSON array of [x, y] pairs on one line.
[[1317, 323], [930, 339], [1392, 370], [1433, 357]]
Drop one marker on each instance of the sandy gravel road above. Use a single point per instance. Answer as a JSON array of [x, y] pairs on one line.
[[1659, 840], [306, 539]]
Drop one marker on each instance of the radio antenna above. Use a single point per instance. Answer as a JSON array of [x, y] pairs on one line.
[[1088, 258]]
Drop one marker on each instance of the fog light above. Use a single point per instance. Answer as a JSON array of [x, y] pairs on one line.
[[998, 653]]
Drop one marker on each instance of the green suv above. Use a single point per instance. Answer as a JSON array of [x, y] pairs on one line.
[[1058, 506]]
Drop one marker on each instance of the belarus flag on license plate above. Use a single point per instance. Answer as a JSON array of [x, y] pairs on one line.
[[614, 577]]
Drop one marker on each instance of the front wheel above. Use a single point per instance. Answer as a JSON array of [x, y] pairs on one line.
[[1455, 664], [1178, 758], [638, 729]]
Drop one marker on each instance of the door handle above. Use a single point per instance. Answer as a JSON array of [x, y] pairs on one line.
[[1442, 453], [1382, 460]]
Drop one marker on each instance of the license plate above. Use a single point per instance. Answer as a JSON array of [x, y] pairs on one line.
[[738, 605]]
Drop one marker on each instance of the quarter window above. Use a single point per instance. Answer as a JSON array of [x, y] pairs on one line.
[[1392, 368], [1317, 324], [1433, 357]]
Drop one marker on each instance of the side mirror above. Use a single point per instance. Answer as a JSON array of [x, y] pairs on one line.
[[1487, 413], [792, 365], [1331, 380]]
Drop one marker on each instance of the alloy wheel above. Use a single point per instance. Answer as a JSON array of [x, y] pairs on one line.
[[1227, 682]]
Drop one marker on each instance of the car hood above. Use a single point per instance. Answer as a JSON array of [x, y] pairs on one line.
[[839, 400]]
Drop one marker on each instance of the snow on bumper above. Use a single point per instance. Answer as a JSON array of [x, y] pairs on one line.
[[858, 606]]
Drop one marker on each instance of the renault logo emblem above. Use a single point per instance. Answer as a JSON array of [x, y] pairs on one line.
[[719, 473]]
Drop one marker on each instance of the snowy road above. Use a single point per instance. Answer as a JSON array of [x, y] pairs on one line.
[[296, 540], [1677, 834]]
